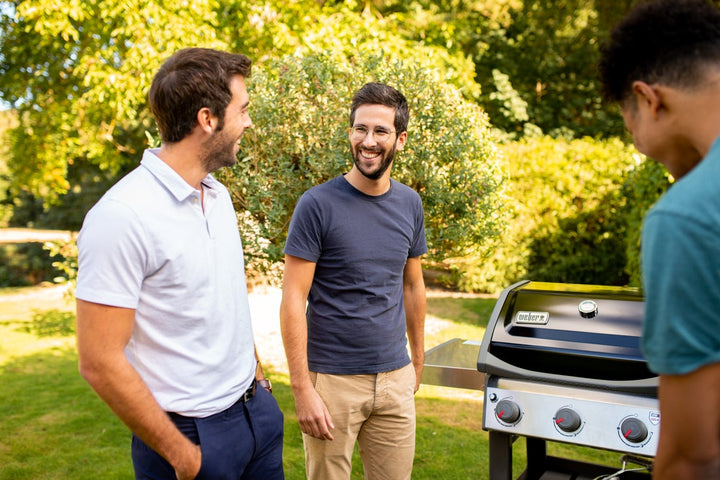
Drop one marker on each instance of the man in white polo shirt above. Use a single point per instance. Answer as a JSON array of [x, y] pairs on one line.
[[164, 331]]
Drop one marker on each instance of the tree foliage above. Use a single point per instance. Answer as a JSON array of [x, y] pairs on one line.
[[643, 187], [76, 73], [7, 122], [568, 215], [301, 113], [535, 60]]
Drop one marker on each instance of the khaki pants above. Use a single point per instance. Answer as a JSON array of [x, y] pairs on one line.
[[378, 411]]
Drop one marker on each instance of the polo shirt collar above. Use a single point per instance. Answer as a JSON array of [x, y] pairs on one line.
[[169, 178]]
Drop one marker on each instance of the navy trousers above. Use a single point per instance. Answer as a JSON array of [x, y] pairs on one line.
[[242, 443]]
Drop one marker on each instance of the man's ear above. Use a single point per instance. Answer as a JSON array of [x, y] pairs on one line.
[[400, 142], [648, 96], [206, 120]]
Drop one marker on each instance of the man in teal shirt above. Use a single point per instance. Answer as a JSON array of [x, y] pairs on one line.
[[662, 65]]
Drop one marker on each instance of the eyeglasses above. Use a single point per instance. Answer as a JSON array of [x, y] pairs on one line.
[[380, 134]]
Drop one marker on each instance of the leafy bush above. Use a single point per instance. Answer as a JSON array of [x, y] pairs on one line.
[[300, 139], [567, 216], [587, 247], [24, 264], [65, 254], [644, 187]]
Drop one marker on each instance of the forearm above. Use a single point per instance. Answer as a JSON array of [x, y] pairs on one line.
[[102, 335], [415, 303], [262, 380], [312, 414], [122, 389], [689, 445], [669, 468], [415, 320], [297, 280], [293, 328]]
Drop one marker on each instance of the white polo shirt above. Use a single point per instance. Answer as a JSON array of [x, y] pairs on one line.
[[149, 245]]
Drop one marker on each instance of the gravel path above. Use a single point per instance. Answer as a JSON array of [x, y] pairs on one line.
[[265, 311], [23, 235], [264, 308]]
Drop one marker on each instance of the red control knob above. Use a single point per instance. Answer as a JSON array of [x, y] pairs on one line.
[[567, 420], [507, 411], [633, 430]]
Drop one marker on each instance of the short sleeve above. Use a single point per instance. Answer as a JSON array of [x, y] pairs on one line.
[[419, 245], [681, 264], [304, 239], [112, 256]]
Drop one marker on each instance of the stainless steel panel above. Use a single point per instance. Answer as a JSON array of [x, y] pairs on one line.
[[601, 415], [454, 364]]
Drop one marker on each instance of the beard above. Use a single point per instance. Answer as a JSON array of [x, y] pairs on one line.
[[219, 151], [386, 160]]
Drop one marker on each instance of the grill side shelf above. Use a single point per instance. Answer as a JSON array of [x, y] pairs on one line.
[[452, 364]]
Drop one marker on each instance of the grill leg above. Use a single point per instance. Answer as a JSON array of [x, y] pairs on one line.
[[500, 449], [536, 454]]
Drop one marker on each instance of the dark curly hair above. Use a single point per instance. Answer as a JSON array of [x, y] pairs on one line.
[[666, 41], [191, 79]]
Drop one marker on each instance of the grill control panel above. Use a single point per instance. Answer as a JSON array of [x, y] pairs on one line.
[[594, 418]]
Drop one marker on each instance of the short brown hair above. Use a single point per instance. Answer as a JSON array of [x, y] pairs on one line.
[[191, 79], [374, 93]]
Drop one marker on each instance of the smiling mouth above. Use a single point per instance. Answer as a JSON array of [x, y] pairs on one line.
[[369, 155]]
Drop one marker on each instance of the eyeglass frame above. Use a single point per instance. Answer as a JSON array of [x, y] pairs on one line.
[[374, 131]]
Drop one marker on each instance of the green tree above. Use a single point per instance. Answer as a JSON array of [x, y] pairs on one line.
[[644, 186], [301, 113], [7, 122], [568, 215], [535, 61], [549, 51], [77, 73]]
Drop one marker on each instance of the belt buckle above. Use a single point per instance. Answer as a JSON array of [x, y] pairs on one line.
[[250, 392]]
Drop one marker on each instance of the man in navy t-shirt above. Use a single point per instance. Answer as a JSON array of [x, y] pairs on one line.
[[353, 298]]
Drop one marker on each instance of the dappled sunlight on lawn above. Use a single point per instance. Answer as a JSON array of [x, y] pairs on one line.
[[21, 303], [34, 320], [450, 393]]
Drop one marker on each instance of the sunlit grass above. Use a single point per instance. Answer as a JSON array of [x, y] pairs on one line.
[[55, 427]]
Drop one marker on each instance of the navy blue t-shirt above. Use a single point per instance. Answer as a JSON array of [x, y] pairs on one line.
[[360, 244]]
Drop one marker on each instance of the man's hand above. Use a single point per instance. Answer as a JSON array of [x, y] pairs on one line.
[[189, 469], [418, 374], [313, 415]]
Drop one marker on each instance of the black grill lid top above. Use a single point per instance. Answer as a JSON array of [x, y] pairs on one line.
[[567, 333]]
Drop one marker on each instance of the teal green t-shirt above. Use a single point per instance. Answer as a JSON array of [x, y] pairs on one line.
[[681, 272]]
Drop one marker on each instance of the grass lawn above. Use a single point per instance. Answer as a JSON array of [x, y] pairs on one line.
[[55, 427]]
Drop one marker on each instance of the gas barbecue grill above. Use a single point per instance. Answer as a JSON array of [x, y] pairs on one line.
[[562, 363]]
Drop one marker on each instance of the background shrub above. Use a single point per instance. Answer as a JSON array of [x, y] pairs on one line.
[[301, 114], [643, 188], [24, 264], [567, 216]]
